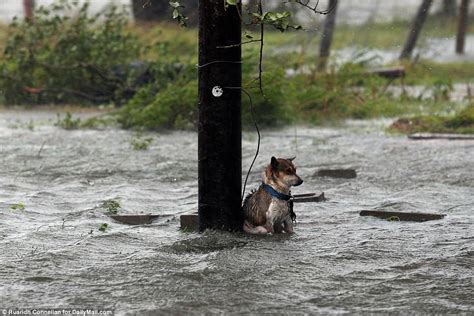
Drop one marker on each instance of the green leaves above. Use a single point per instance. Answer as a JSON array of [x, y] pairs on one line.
[[111, 206], [279, 20], [18, 206], [177, 15], [68, 59], [140, 143], [103, 227]]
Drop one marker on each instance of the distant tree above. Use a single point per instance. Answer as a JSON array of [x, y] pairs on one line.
[[448, 8], [160, 10], [327, 35], [416, 29], [252, 4], [29, 8], [150, 11], [462, 26]]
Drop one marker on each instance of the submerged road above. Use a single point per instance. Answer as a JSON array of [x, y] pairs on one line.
[[52, 254]]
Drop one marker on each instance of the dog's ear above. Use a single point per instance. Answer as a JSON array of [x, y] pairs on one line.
[[274, 163], [291, 159]]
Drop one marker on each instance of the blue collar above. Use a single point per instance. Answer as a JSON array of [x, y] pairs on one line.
[[275, 193]]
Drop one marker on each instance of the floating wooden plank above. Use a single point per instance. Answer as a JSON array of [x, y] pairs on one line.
[[403, 216], [135, 219], [189, 222], [389, 73], [308, 197], [337, 173], [427, 136]]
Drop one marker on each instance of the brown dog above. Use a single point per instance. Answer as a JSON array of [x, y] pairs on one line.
[[267, 210]]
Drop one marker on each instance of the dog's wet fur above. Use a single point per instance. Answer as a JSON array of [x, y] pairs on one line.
[[265, 213]]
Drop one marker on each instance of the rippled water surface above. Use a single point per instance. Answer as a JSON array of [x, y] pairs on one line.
[[53, 255]]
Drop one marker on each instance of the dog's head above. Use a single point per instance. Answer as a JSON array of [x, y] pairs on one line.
[[283, 171]]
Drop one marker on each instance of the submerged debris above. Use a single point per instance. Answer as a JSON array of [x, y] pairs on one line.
[[337, 173], [111, 206], [18, 206], [103, 227], [403, 216]]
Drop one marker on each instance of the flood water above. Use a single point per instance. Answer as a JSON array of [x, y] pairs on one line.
[[52, 253]]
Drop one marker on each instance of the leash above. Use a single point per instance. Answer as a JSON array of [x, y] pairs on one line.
[[252, 114]]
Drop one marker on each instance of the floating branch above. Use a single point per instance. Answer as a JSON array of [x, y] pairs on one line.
[[314, 8]]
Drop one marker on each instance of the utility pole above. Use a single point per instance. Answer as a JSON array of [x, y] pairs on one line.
[[416, 29], [219, 126], [462, 26]]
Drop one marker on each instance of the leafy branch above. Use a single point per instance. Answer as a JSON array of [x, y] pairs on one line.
[[314, 8], [279, 20], [177, 14]]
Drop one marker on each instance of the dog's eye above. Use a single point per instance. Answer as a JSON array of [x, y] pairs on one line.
[[288, 170]]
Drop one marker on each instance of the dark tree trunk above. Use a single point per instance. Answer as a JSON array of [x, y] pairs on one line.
[[462, 26], [29, 8], [156, 11], [416, 29], [327, 35], [219, 126]]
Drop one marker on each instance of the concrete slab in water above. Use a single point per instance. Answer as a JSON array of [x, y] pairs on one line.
[[427, 136], [309, 197], [403, 216], [135, 219], [337, 173], [189, 222]]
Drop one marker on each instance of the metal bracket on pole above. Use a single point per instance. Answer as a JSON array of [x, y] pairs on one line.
[[217, 91]]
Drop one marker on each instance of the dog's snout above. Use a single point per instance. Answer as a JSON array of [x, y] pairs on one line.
[[299, 182]]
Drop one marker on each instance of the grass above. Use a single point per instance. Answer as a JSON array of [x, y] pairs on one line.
[[140, 143], [103, 227], [312, 97], [462, 122], [167, 37], [111, 206], [17, 207], [168, 42], [393, 34], [428, 73], [68, 122], [3, 36], [379, 35]]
